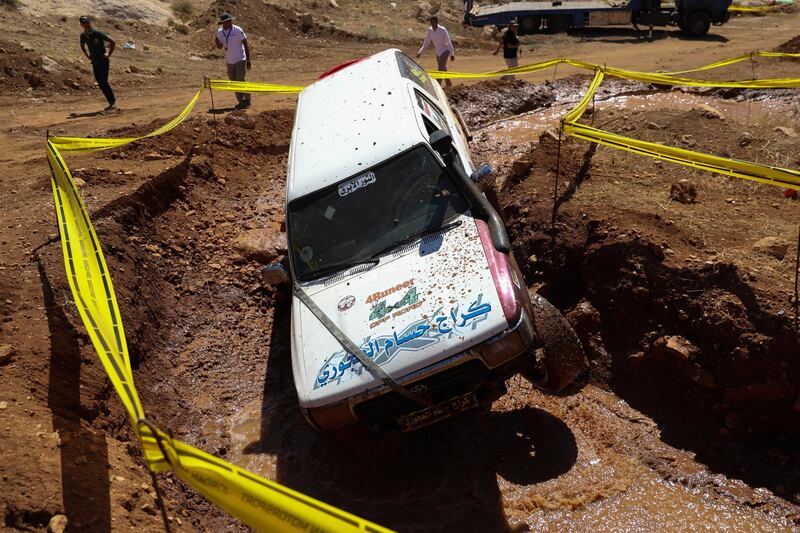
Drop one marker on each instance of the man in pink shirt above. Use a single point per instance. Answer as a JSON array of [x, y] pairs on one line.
[[441, 43]]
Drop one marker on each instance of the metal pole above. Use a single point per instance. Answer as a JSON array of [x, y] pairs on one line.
[[160, 502], [753, 68], [213, 108], [558, 173], [796, 293]]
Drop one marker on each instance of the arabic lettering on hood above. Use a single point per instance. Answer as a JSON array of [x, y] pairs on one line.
[[419, 335]]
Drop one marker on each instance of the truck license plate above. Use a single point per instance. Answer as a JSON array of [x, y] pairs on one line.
[[430, 415]]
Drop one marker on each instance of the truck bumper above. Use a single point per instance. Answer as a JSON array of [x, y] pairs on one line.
[[482, 370]]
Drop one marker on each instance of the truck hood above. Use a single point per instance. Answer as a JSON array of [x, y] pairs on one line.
[[424, 302]]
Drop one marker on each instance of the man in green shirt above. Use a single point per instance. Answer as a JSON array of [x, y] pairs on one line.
[[95, 41]]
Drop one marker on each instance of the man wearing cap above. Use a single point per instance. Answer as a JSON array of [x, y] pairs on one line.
[[237, 54], [441, 43], [95, 41], [511, 50]]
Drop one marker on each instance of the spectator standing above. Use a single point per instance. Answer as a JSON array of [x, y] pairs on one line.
[[95, 41], [511, 50], [237, 54], [440, 38]]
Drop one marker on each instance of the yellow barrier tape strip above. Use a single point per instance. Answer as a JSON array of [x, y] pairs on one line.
[[90, 283], [580, 108], [781, 177], [667, 79], [249, 87], [664, 79], [89, 144], [258, 502], [753, 9], [524, 69], [737, 59], [732, 167], [658, 78]]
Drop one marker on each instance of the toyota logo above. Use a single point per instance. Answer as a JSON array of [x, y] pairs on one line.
[[346, 303], [419, 389]]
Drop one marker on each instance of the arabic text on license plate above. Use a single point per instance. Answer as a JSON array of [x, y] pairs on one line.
[[430, 415]]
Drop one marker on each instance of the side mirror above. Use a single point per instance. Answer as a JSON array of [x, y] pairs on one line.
[[275, 275], [443, 144], [483, 171]]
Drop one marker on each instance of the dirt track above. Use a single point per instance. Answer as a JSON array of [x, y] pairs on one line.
[[210, 349]]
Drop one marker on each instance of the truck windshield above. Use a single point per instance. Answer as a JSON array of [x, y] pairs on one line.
[[357, 219]]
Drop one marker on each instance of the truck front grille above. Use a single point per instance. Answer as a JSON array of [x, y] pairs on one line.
[[441, 387]]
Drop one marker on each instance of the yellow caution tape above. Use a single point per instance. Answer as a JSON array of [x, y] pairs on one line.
[[88, 144], [524, 69], [249, 87], [661, 79], [753, 9], [258, 502], [737, 59], [732, 167]]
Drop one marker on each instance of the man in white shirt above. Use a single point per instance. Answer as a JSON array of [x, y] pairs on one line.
[[237, 54], [441, 43]]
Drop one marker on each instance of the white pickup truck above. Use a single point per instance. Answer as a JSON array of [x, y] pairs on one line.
[[393, 248]]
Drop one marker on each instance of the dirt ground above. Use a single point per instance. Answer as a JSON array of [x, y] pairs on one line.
[[688, 418]]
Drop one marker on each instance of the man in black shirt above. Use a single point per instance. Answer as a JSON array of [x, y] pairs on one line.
[[511, 50], [95, 41]]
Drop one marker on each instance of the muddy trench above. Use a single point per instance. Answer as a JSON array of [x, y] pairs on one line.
[[693, 348], [691, 395]]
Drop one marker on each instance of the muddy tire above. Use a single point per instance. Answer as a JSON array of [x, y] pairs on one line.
[[563, 358], [696, 24], [530, 25], [559, 23]]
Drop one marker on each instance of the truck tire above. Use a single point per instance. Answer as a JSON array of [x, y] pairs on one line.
[[559, 23], [530, 25], [563, 359], [696, 24]]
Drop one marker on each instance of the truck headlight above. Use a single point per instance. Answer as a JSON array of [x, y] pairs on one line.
[[510, 345], [332, 416]]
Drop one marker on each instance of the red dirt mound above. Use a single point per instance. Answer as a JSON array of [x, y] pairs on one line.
[[792, 46], [22, 68]]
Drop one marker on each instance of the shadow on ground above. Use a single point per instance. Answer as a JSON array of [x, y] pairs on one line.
[[442, 478]]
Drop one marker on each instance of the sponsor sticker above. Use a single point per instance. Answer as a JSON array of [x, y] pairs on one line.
[[351, 186]]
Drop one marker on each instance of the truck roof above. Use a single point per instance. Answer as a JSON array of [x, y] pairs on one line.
[[349, 121]]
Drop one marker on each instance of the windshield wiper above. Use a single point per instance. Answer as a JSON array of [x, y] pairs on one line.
[[417, 235], [321, 272]]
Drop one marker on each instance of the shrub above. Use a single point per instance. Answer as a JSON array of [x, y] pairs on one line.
[[10, 4], [183, 9]]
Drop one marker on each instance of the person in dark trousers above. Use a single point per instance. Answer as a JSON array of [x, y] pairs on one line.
[[237, 54], [511, 50], [95, 41]]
